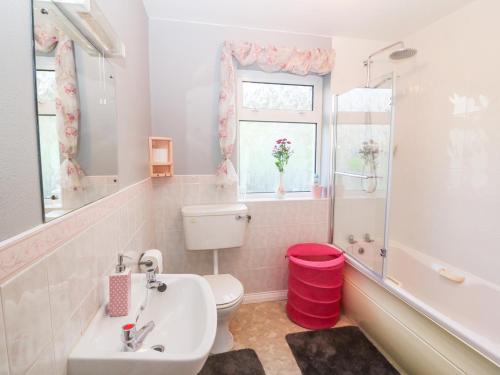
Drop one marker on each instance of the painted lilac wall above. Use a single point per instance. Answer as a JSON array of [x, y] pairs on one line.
[[20, 205], [184, 71]]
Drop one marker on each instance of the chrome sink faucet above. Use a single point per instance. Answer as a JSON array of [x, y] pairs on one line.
[[152, 283], [132, 338]]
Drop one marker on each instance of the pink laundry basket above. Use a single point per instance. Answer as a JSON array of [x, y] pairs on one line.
[[314, 284]]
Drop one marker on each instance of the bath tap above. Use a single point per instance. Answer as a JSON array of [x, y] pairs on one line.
[[351, 239], [132, 338], [368, 238]]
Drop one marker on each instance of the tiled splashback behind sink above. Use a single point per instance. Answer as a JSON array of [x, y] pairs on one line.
[[53, 278]]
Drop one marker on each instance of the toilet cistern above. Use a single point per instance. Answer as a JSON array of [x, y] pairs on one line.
[[215, 227]]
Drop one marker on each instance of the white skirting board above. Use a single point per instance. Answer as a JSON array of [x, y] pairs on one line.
[[276, 295]]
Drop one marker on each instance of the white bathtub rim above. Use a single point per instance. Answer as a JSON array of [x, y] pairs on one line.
[[436, 264]]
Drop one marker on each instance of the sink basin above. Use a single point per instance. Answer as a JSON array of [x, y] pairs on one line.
[[185, 318]]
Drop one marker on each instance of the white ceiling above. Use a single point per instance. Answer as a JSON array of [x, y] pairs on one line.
[[373, 19]]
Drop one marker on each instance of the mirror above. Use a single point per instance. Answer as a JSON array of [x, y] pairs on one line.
[[77, 132]]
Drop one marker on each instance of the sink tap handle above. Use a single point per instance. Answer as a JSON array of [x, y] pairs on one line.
[[129, 332], [151, 275]]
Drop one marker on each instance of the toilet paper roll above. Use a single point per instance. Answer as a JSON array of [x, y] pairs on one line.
[[155, 257]]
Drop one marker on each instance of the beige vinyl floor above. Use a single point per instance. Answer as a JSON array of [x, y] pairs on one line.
[[263, 327]]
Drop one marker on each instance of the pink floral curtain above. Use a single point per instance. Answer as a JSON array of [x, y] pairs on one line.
[[48, 38], [269, 59]]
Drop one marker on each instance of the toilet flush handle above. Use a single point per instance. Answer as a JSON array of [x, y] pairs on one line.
[[244, 217]]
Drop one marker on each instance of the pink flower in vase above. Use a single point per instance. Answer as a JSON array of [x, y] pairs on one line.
[[282, 151]]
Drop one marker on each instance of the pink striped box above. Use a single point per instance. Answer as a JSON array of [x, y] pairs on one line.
[[120, 286]]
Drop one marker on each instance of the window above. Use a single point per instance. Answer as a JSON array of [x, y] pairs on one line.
[[273, 106], [272, 96]]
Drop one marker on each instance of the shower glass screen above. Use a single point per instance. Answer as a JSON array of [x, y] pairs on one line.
[[361, 167]]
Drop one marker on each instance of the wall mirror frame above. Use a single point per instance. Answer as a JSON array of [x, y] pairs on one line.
[[76, 112]]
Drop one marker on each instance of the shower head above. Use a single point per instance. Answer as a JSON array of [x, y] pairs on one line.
[[403, 53], [399, 54]]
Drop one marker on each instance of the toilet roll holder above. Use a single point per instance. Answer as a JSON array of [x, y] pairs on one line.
[[147, 263], [120, 266]]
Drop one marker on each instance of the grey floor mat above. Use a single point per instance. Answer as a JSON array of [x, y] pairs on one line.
[[338, 351], [238, 362]]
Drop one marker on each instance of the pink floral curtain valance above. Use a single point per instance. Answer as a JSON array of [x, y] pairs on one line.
[[48, 38], [269, 59]]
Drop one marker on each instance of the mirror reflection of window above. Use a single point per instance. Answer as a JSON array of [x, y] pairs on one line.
[[47, 128], [50, 159], [46, 91]]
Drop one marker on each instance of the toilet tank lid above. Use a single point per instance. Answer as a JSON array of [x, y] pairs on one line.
[[214, 209]]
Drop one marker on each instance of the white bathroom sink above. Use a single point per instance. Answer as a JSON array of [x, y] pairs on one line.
[[185, 318]]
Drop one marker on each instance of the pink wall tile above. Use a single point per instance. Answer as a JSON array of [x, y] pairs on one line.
[[57, 273], [260, 262]]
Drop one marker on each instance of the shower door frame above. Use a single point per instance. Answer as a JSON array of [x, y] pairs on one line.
[[378, 277]]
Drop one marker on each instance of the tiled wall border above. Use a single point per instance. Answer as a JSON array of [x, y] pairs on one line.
[[20, 251]]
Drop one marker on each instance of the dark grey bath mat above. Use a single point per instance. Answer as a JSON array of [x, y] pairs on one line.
[[238, 362], [338, 351]]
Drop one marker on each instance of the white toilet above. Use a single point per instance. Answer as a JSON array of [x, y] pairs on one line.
[[214, 227]]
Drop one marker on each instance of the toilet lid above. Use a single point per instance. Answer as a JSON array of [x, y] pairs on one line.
[[226, 288]]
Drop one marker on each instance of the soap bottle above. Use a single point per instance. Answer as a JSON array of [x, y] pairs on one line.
[[120, 287], [317, 189]]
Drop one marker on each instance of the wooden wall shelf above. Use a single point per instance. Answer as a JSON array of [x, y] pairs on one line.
[[161, 157]]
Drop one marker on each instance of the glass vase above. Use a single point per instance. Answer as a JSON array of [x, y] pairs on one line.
[[281, 190]]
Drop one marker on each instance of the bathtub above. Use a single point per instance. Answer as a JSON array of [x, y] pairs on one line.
[[462, 303], [467, 307]]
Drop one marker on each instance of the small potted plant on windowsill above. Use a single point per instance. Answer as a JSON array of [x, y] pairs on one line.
[[282, 151]]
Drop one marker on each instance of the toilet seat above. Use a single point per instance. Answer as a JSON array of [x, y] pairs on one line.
[[229, 305], [227, 290]]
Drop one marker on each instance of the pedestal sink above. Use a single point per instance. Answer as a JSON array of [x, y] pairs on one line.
[[185, 318]]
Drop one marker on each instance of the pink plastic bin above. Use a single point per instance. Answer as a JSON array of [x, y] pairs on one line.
[[320, 309], [312, 322], [316, 293], [314, 284]]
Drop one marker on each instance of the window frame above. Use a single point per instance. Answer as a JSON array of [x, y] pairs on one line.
[[315, 116]]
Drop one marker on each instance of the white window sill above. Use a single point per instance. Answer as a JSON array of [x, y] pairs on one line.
[[271, 197]]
